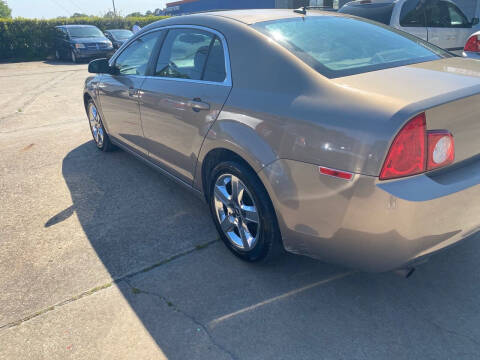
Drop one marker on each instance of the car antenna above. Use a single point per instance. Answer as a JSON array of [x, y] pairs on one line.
[[301, 10]]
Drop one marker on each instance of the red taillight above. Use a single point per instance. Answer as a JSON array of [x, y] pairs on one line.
[[473, 44], [441, 149], [416, 150], [407, 153]]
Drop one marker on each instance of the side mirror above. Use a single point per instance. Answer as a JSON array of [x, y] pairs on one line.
[[99, 66], [475, 21]]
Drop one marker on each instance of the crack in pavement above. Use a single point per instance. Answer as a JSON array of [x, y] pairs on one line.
[[107, 285], [187, 315], [442, 328]]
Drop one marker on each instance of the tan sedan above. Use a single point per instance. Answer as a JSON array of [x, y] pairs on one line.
[[322, 134]]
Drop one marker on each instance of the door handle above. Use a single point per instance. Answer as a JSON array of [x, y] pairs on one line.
[[198, 105], [132, 92]]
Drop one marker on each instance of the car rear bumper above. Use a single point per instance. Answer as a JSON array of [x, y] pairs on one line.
[[471, 55], [368, 224]]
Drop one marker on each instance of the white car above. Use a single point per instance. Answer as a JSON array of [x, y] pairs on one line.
[[439, 22]]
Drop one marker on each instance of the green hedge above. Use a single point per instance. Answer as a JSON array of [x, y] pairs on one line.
[[26, 39]]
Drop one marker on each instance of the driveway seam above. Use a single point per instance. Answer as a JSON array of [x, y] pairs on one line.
[[187, 315], [107, 285]]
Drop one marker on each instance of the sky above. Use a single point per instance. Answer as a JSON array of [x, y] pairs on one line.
[[53, 8]]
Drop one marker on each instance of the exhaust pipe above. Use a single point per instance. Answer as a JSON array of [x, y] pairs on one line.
[[405, 273]]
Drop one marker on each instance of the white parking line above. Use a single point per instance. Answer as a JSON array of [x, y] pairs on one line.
[[215, 322]]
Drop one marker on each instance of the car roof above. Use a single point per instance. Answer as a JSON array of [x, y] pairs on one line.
[[253, 16], [74, 26]]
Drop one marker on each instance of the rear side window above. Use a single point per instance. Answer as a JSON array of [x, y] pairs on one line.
[[413, 14], [443, 14], [381, 13], [191, 54], [215, 66], [341, 46]]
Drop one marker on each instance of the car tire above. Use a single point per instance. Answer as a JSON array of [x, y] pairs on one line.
[[100, 136], [74, 57], [234, 215]]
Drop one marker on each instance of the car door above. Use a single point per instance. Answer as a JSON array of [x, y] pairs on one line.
[[447, 26], [410, 17], [119, 91], [184, 96]]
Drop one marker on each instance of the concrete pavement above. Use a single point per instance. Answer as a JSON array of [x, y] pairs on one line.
[[103, 258]]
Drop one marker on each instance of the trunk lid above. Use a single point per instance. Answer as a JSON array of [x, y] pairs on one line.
[[448, 90]]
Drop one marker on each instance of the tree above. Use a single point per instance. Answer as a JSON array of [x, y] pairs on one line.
[[135, 14], [77, 15], [109, 14], [148, 13], [5, 11]]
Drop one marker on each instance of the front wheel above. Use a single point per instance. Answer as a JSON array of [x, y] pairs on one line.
[[243, 212], [100, 136]]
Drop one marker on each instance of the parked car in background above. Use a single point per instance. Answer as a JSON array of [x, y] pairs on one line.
[[76, 42], [439, 22], [118, 36], [472, 47], [335, 140]]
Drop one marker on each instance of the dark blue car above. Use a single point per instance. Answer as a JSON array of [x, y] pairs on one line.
[[76, 42]]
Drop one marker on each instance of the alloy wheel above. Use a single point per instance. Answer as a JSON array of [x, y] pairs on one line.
[[96, 125], [236, 212]]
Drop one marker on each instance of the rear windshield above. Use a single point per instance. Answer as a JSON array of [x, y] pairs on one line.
[[340, 46], [376, 12], [84, 32]]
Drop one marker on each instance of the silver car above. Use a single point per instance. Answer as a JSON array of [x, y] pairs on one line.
[[440, 22], [322, 134]]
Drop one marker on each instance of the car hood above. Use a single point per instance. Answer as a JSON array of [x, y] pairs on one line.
[[449, 78], [89, 40]]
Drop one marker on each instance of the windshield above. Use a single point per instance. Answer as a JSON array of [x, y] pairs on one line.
[[121, 34], [340, 46], [84, 32]]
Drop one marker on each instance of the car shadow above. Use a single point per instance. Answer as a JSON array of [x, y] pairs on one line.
[[136, 219]]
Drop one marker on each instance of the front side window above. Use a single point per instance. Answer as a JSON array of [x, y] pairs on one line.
[[191, 54], [443, 14], [61, 34], [134, 59], [413, 14], [342, 46]]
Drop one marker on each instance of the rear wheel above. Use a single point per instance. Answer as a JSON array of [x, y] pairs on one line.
[[100, 136], [243, 213], [74, 57]]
